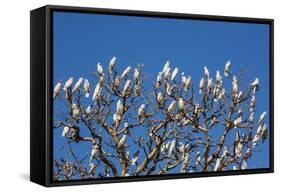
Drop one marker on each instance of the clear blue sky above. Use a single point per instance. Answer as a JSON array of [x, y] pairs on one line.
[[83, 40]]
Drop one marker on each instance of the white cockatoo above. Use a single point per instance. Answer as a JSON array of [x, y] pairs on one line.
[[172, 147], [210, 83], [201, 85], [137, 90], [218, 164], [218, 77], [160, 98], [222, 94], [126, 72], [237, 121], [181, 103], [119, 107], [187, 83], [255, 140], [94, 151], [122, 141], [174, 73], [167, 73], [262, 117], [166, 66], [183, 78], [170, 89], [234, 86], [126, 90], [77, 85], [238, 149], [99, 69], [252, 103], [75, 111], [97, 91], [87, 87], [255, 85], [158, 80], [65, 131], [206, 72], [240, 94], [136, 75], [172, 106], [264, 132], [141, 111], [114, 118], [112, 64], [197, 109], [68, 83], [227, 68], [57, 89]]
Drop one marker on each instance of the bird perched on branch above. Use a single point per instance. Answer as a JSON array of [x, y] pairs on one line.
[[136, 76], [181, 103], [201, 85], [112, 64], [206, 72], [218, 77], [86, 87], [57, 89], [160, 99], [172, 106], [126, 72], [75, 111], [97, 91], [262, 117], [141, 112], [119, 107], [227, 68], [99, 69], [65, 131], [264, 132], [122, 141], [255, 85], [187, 83], [237, 121], [158, 80], [77, 85], [68, 83], [253, 103], [166, 66], [174, 73], [126, 90]]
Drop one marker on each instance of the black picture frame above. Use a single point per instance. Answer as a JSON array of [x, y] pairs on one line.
[[41, 93]]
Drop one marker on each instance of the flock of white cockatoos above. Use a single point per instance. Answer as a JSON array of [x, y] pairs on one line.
[[166, 79]]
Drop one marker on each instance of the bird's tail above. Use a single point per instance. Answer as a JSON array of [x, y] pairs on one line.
[[226, 74]]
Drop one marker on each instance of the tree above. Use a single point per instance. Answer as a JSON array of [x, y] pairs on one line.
[[169, 128]]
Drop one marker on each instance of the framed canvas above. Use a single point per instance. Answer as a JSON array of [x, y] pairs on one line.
[[119, 95]]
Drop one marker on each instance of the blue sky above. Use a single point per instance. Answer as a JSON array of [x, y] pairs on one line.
[[83, 40]]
